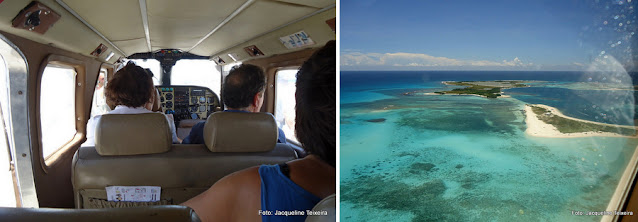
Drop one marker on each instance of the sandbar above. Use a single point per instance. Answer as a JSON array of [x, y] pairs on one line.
[[538, 128]]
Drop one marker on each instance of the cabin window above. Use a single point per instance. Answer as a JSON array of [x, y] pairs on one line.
[[99, 106], [57, 107], [153, 65], [285, 101], [197, 72]]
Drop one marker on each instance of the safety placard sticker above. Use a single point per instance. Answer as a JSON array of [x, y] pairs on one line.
[[133, 193], [296, 40]]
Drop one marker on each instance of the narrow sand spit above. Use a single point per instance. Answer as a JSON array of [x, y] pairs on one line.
[[454, 94], [536, 127]]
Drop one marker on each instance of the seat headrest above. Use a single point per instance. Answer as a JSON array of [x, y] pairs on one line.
[[328, 205], [132, 134], [240, 132]]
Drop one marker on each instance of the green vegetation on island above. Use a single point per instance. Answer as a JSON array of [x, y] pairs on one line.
[[565, 125], [489, 89]]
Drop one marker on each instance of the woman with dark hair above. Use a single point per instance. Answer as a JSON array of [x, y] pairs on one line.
[[131, 91], [257, 193]]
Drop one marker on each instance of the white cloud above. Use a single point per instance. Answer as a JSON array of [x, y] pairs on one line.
[[401, 59], [357, 58]]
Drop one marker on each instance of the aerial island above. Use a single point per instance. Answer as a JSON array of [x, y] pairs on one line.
[[541, 120], [488, 89]]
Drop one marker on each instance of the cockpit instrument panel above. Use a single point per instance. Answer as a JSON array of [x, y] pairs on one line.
[[188, 102]]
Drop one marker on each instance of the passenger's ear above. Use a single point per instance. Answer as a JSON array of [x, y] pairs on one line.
[[256, 100]]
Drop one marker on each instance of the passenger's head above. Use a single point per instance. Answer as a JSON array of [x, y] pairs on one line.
[[131, 86], [154, 103], [100, 81], [244, 88], [316, 105]]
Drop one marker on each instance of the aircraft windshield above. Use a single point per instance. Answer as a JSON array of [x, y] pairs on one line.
[[153, 65], [197, 73]]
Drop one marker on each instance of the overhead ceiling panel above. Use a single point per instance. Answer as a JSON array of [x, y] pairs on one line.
[[180, 24], [260, 17], [133, 46], [315, 26], [314, 3], [117, 20]]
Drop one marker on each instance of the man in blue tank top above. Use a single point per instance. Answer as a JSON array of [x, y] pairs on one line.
[[243, 91], [287, 191]]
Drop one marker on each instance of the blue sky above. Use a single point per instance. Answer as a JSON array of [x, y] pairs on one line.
[[485, 35]]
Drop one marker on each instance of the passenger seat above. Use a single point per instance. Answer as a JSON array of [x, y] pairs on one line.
[[136, 150]]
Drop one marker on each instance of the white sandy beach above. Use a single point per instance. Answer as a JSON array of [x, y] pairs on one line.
[[536, 127]]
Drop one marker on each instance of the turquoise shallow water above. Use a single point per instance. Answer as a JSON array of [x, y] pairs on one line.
[[466, 158]]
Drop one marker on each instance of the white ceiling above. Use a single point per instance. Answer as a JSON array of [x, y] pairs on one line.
[[182, 24]]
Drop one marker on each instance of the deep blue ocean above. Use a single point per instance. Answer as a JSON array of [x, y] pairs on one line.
[[467, 158]]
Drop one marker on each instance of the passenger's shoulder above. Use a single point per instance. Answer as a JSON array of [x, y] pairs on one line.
[[230, 198], [234, 186], [243, 187], [199, 125], [246, 177], [93, 121], [247, 185]]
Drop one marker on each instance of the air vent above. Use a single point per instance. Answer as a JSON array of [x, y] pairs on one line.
[[218, 60], [36, 17], [253, 51], [99, 50]]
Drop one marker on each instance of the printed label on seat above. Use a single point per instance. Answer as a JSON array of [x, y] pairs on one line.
[[133, 193]]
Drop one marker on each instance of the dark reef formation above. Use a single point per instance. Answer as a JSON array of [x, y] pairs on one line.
[[379, 120]]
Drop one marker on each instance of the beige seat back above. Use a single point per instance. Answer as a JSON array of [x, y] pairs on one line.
[[240, 132], [156, 213], [182, 172], [327, 205], [132, 134]]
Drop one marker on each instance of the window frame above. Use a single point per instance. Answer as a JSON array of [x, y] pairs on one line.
[[19, 126], [12, 161], [52, 159], [276, 72], [623, 195]]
